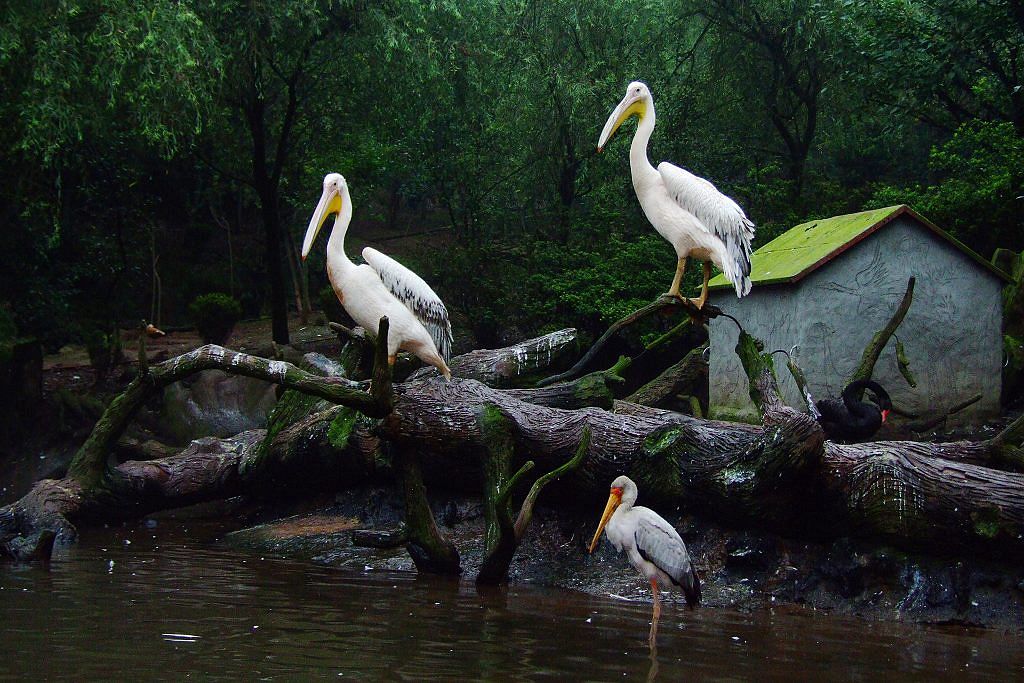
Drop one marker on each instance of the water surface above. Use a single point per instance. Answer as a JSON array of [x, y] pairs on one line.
[[155, 603]]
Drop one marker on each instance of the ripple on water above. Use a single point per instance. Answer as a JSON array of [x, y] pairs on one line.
[[194, 610]]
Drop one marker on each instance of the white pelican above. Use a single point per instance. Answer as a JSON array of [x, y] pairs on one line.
[[381, 286], [688, 211], [652, 546]]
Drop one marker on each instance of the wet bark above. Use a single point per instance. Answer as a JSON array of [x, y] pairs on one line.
[[518, 365], [503, 534], [782, 473], [429, 547]]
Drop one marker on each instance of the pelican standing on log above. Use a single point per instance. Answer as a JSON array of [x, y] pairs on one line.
[[652, 546], [686, 210], [381, 287]]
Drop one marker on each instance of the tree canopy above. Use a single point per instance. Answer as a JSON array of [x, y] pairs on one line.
[[182, 143]]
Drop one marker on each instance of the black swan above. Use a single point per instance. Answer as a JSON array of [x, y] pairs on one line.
[[850, 420]]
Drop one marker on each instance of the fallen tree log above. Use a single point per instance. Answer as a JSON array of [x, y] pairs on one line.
[[782, 473], [518, 365]]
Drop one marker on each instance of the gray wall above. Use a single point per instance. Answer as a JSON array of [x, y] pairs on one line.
[[952, 333]]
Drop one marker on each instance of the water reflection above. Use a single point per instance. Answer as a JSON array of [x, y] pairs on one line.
[[170, 608]]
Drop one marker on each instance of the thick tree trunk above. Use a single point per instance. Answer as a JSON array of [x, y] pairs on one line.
[[782, 473]]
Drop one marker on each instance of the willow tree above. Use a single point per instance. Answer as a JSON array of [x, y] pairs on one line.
[[98, 98]]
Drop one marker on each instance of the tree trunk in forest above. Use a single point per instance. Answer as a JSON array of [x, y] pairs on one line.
[[272, 256], [265, 181], [294, 269]]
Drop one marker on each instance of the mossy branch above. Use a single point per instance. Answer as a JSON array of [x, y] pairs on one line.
[[526, 510], [662, 303], [760, 369], [669, 336], [89, 466], [504, 535], [904, 364], [878, 342], [430, 548], [502, 500], [801, 381]]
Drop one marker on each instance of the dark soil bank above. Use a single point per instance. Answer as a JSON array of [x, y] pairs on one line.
[[744, 569]]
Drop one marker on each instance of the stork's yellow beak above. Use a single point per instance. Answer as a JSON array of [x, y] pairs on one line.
[[627, 107], [614, 500], [330, 202]]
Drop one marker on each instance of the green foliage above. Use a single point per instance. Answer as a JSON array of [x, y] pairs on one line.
[[1013, 300], [89, 68], [174, 136], [978, 179], [104, 350], [8, 334], [214, 316], [605, 282], [8, 330]]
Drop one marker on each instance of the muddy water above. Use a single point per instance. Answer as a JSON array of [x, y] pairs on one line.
[[154, 603]]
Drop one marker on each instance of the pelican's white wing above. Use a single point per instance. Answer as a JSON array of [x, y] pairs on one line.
[[411, 290], [659, 543], [719, 214]]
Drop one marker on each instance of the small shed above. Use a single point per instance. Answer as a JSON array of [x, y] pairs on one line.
[[827, 286]]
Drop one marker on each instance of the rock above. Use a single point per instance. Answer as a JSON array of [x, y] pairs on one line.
[[213, 403], [745, 551]]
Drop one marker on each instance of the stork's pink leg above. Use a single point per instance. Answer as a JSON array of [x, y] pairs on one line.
[[651, 640]]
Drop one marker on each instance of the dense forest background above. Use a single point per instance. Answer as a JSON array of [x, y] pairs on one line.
[[177, 147]]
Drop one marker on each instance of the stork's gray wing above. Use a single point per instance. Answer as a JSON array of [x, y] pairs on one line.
[[659, 543], [411, 290], [719, 214]]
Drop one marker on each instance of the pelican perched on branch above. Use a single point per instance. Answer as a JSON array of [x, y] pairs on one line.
[[688, 211], [652, 546], [381, 287]]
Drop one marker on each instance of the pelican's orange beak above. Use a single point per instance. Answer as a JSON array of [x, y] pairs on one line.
[[614, 500]]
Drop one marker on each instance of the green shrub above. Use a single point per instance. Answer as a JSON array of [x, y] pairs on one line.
[[214, 316], [1013, 369], [8, 333], [1013, 298], [104, 351]]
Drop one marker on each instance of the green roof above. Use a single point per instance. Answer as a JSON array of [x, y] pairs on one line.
[[804, 248]]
